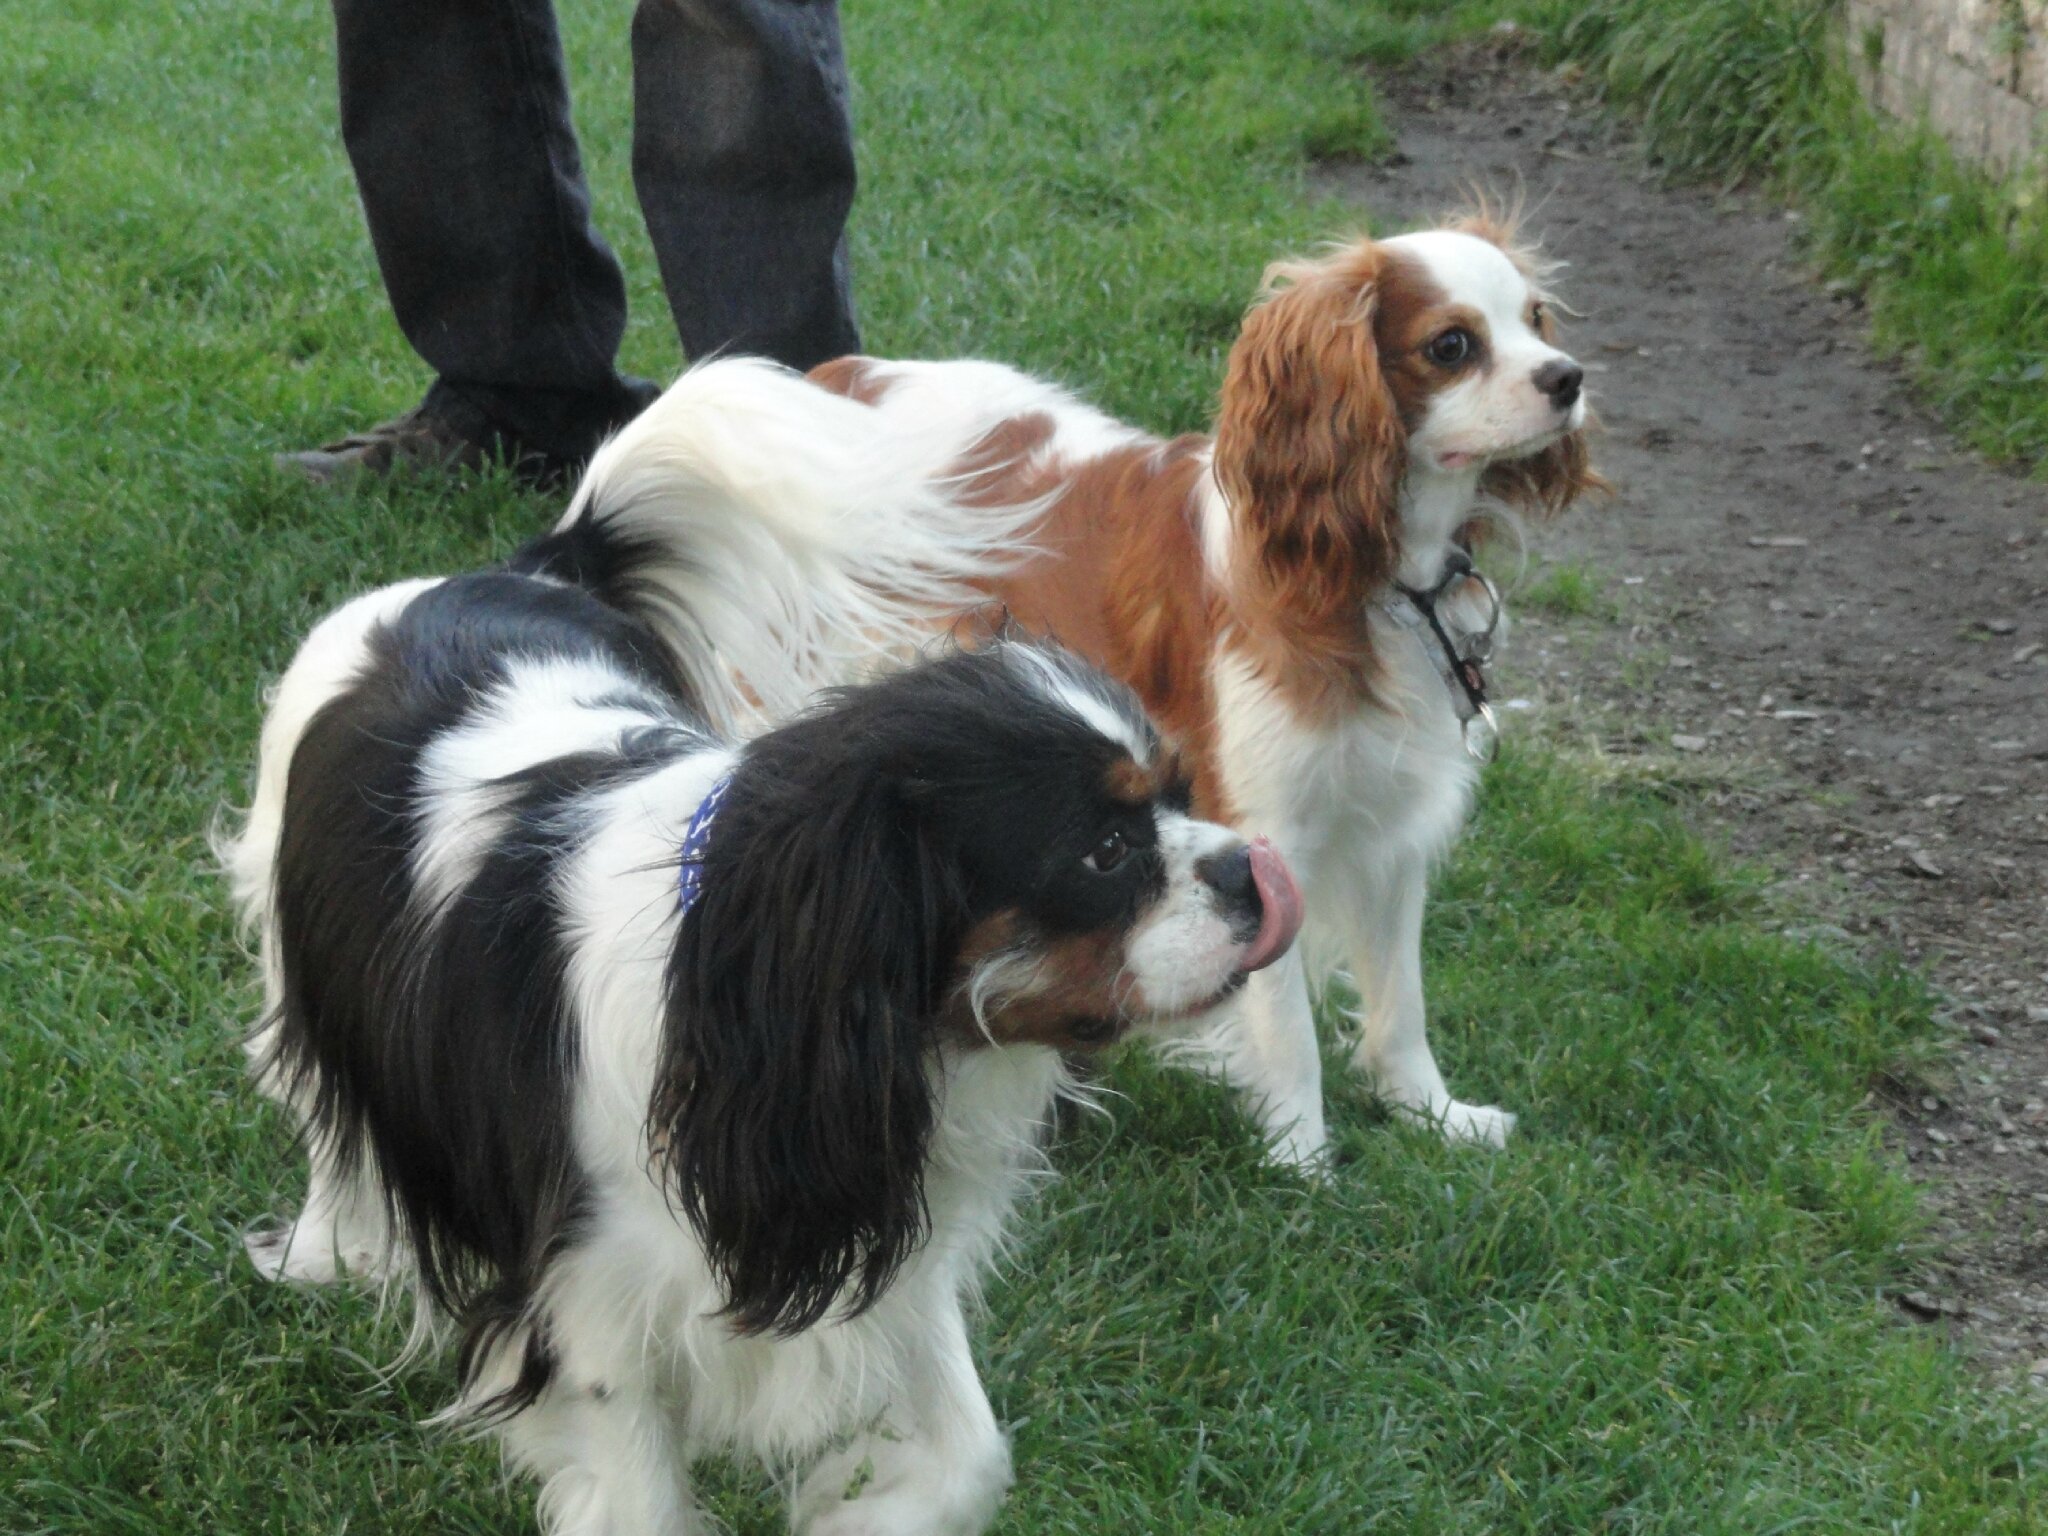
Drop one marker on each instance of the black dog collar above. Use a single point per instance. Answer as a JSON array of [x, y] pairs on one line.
[[1459, 661]]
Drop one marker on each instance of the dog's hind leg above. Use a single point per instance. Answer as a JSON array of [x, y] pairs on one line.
[[342, 1230]]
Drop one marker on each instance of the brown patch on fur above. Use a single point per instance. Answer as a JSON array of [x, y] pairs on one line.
[[1122, 582], [1131, 782], [858, 378], [1545, 483], [1311, 449], [1414, 311], [1075, 998], [996, 470]]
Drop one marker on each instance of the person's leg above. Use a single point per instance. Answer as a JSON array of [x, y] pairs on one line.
[[743, 158], [456, 118]]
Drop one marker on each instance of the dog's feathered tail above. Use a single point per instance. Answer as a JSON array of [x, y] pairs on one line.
[[762, 526]]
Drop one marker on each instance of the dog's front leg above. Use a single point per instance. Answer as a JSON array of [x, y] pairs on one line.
[[606, 1449], [341, 1230], [1263, 1044], [1277, 1066], [1393, 1034], [936, 1464]]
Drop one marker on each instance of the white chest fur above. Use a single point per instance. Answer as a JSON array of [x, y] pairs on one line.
[[1349, 799]]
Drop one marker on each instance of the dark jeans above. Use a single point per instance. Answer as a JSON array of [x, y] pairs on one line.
[[456, 117]]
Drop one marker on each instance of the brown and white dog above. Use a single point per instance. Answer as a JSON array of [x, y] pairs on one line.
[[1291, 598]]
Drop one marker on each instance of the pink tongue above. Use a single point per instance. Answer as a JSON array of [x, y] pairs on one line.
[[1281, 898]]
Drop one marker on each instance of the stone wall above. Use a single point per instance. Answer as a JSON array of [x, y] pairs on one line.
[[1977, 68]]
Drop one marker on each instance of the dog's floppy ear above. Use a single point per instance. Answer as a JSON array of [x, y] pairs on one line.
[[1309, 440], [1544, 484], [793, 1108]]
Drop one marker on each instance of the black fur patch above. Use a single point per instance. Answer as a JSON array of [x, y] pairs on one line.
[[593, 555], [439, 1038], [855, 849]]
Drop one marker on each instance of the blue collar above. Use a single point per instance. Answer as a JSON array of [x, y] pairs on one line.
[[690, 879]]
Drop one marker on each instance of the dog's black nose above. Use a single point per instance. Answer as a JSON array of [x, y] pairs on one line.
[[1230, 876], [1560, 379]]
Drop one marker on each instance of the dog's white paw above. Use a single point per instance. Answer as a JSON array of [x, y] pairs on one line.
[[925, 1511], [862, 1517], [891, 1487], [282, 1253], [1476, 1124], [1296, 1136], [1306, 1151], [293, 1253]]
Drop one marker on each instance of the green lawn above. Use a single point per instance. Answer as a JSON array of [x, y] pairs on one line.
[[1661, 1311]]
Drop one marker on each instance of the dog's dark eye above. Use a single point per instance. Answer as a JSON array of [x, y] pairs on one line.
[[1449, 348], [1536, 317], [1108, 853]]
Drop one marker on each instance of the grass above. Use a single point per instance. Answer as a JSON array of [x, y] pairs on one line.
[[1566, 590], [1953, 261], [1661, 1312]]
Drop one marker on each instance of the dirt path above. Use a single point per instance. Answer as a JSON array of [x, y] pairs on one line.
[[1816, 589]]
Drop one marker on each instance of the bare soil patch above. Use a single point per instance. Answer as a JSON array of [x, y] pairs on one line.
[[1811, 597]]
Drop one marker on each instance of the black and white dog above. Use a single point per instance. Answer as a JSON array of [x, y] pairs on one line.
[[693, 1078]]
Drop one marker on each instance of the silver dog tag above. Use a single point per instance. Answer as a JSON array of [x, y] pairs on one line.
[[1482, 735]]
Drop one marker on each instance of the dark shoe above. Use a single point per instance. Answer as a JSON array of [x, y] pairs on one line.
[[415, 441], [450, 433]]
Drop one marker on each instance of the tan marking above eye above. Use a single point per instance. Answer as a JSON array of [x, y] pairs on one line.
[[1132, 783]]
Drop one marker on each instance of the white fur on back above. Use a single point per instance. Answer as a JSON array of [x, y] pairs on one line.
[[796, 540], [545, 708], [332, 657], [942, 409]]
